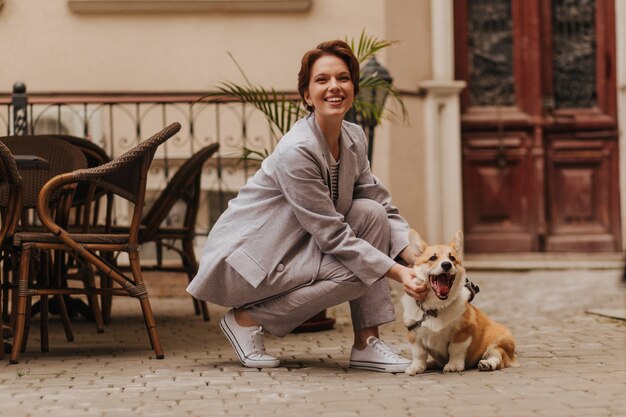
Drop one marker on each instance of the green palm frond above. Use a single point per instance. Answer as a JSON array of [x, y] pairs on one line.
[[279, 110], [367, 46], [369, 109], [254, 155]]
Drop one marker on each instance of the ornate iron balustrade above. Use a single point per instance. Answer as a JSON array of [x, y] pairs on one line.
[[118, 121]]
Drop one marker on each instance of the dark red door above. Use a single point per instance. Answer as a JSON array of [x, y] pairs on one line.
[[539, 125]]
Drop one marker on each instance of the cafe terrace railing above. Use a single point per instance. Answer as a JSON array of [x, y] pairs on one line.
[[118, 121]]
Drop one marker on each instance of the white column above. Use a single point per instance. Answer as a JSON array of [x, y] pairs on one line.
[[442, 135], [620, 18], [442, 131], [442, 31]]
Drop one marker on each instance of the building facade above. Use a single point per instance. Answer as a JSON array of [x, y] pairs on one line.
[[515, 107]]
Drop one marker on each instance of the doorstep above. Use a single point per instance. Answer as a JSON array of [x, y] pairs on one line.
[[533, 261]]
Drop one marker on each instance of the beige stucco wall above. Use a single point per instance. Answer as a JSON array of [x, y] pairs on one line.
[[51, 48], [407, 21]]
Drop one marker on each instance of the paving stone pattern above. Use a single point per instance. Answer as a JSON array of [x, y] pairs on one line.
[[572, 363]]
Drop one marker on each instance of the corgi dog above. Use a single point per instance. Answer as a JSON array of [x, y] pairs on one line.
[[445, 326]]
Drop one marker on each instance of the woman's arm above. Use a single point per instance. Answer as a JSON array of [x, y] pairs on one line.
[[406, 276], [408, 256]]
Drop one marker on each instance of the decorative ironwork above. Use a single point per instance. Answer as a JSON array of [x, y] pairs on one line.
[[20, 109], [490, 48], [573, 35], [117, 122]]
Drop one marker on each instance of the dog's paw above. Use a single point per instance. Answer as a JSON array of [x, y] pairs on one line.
[[486, 365], [415, 369], [454, 367]]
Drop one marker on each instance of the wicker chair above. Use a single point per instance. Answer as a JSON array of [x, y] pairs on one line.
[[10, 202], [184, 187], [87, 197], [61, 157], [86, 216], [125, 176], [10, 194]]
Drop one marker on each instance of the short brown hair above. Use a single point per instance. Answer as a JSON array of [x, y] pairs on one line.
[[338, 48]]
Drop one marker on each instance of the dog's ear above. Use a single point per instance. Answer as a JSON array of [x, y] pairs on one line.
[[457, 242], [417, 243]]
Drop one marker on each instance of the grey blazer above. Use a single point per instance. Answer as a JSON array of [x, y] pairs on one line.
[[273, 235]]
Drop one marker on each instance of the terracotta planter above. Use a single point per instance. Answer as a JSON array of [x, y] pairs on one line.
[[316, 323]]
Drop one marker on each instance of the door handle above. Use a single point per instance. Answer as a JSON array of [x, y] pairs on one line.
[[548, 105]]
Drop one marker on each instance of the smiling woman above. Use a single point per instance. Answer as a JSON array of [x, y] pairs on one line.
[[312, 229], [330, 94]]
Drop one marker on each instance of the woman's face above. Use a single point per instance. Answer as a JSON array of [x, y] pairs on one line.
[[330, 90]]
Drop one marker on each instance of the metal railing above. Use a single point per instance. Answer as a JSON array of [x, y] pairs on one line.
[[118, 121]]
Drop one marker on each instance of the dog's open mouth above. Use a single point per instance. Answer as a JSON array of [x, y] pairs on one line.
[[441, 284]]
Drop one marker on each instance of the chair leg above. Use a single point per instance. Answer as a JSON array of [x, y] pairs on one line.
[[191, 266], [12, 314], [97, 312], [90, 282], [2, 296], [65, 318], [6, 285], [43, 325], [151, 326], [6, 291], [20, 310], [29, 305], [196, 306], [44, 305], [148, 315], [85, 273], [106, 299], [59, 261]]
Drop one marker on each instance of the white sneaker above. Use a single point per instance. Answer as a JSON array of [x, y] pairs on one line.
[[377, 356], [247, 342]]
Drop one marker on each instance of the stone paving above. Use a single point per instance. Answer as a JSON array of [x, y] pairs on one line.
[[572, 363]]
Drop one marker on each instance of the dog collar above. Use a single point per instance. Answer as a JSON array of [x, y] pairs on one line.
[[430, 312]]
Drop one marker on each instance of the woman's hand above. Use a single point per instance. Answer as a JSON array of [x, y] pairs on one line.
[[406, 276]]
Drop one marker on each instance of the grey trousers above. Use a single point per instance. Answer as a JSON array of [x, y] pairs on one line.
[[369, 306]]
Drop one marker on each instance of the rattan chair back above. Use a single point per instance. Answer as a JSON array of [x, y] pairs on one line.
[[61, 156], [88, 197], [120, 176], [185, 186], [94, 155], [9, 171], [10, 192]]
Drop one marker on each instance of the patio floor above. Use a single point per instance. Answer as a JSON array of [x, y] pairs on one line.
[[572, 363]]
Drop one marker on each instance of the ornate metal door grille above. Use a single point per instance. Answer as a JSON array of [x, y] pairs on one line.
[[573, 33], [490, 43]]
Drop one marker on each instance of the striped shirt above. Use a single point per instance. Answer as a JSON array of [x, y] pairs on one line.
[[334, 178]]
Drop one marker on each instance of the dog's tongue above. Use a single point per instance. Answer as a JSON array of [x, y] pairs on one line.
[[441, 286]]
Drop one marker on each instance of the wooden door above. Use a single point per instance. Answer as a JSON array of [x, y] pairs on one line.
[[539, 125]]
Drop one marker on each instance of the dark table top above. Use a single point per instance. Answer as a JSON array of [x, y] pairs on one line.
[[31, 162]]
